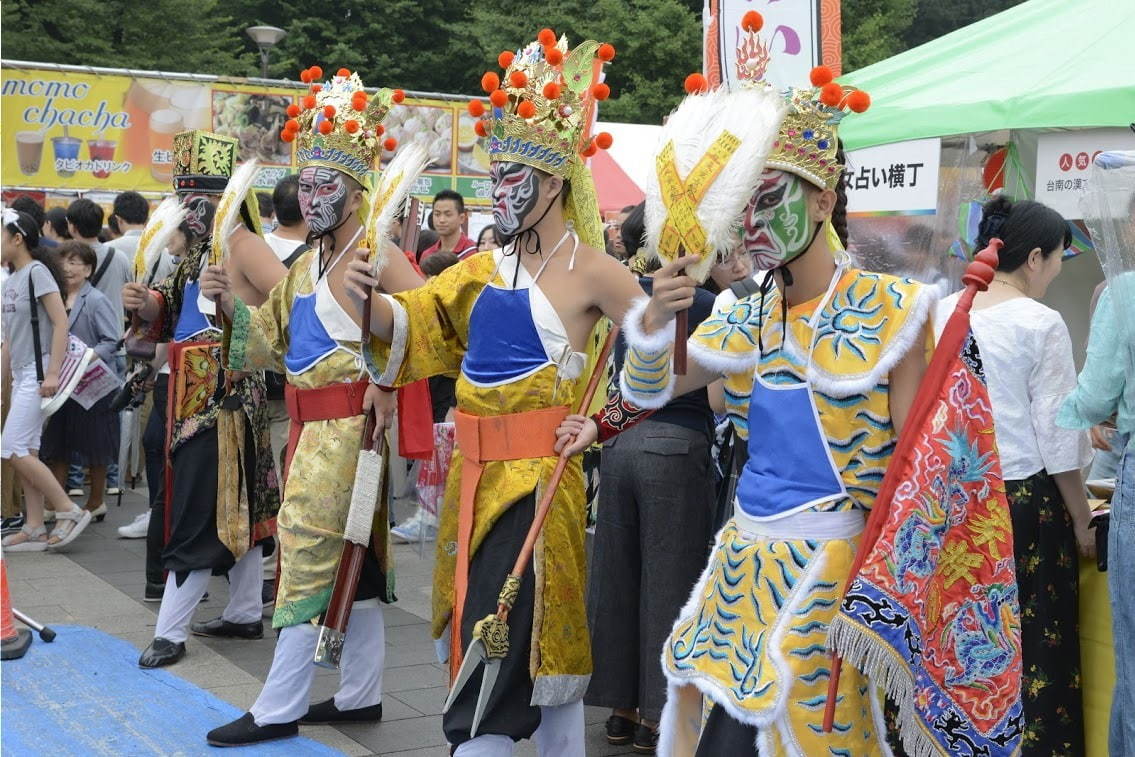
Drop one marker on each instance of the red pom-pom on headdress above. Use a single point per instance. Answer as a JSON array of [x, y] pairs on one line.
[[316, 88], [498, 98], [859, 101], [481, 129], [551, 90], [526, 109], [603, 140], [831, 94], [316, 73], [504, 60], [590, 150], [696, 83], [351, 126], [821, 75], [305, 76], [328, 111], [390, 144], [325, 127], [291, 125], [547, 37], [476, 108], [553, 56], [490, 81], [293, 110], [343, 72], [518, 79], [600, 91], [309, 102], [398, 96], [752, 21], [288, 136], [606, 52]]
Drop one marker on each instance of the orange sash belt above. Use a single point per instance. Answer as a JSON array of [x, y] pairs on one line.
[[322, 404], [482, 439]]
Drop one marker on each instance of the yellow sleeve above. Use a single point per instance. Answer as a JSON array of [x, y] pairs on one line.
[[431, 326], [258, 340]]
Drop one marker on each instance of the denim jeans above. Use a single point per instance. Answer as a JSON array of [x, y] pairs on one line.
[[1120, 569]]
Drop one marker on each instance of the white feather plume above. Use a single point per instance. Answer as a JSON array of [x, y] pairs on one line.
[[388, 200], [228, 209], [155, 236], [753, 115]]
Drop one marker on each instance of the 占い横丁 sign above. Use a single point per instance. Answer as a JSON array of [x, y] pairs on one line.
[[894, 179]]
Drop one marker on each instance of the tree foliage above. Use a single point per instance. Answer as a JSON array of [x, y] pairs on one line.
[[873, 30]]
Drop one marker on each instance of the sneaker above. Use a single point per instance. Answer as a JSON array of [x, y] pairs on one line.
[[113, 491], [75, 491], [11, 525], [137, 529], [412, 531]]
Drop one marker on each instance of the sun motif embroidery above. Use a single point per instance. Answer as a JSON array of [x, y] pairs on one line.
[[740, 320], [849, 319]]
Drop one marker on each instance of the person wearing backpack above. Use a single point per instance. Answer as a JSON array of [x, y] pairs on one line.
[[35, 340]]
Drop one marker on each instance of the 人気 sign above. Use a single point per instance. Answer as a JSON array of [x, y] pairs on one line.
[[1064, 161], [895, 179]]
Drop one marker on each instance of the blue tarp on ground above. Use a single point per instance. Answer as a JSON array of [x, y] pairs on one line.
[[84, 694]]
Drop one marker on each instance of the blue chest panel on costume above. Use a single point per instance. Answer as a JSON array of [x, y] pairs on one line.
[[190, 321], [308, 341], [504, 344], [789, 466]]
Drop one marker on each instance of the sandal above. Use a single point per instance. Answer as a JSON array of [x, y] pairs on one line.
[[26, 540], [70, 524]]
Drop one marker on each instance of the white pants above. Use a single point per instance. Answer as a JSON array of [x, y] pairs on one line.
[[561, 734], [179, 602], [24, 424], [284, 698]]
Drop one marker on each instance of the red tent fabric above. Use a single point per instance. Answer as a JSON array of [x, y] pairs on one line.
[[616, 190]]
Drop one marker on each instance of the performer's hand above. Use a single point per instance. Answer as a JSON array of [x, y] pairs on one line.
[[673, 291], [384, 404], [575, 434], [50, 385], [217, 286], [1086, 539], [359, 277], [1101, 437], [134, 296]]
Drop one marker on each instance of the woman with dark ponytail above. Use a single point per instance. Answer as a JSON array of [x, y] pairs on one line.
[[35, 340], [1027, 355]]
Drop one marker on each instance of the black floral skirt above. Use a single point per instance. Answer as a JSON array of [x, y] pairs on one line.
[[1044, 544]]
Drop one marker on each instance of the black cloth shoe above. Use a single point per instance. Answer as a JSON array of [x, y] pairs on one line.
[[620, 731], [326, 713], [645, 739], [154, 592], [244, 731], [161, 652], [222, 628], [268, 594]]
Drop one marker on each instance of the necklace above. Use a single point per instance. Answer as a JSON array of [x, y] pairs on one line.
[[1008, 283]]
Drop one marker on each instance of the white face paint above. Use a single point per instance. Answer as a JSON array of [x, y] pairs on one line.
[[516, 188], [323, 198]]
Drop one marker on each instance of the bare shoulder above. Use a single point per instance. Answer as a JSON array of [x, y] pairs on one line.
[[600, 268], [244, 240]]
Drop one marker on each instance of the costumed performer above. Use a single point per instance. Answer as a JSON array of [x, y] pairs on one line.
[[304, 331], [221, 491], [825, 360], [512, 325]]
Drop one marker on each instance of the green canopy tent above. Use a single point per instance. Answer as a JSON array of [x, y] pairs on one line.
[[1040, 64]]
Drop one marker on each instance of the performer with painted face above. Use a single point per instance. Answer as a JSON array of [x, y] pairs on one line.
[[511, 325], [221, 492], [823, 363], [303, 331]]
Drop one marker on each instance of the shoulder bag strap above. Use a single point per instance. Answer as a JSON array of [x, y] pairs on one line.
[[36, 343], [110, 253]]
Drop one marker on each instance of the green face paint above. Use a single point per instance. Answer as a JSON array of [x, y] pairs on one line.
[[777, 227]]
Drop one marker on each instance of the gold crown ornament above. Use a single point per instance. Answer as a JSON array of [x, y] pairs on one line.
[[203, 161], [809, 137], [337, 125], [540, 112]]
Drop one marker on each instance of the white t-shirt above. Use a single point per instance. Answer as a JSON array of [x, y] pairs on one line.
[[17, 314], [282, 246], [1027, 357]]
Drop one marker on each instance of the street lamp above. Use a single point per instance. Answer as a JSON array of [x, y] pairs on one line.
[[265, 37]]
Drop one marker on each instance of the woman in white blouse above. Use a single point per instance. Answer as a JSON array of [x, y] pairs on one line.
[[1027, 355]]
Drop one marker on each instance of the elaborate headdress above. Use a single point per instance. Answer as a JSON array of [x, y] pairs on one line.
[[203, 161], [540, 114], [338, 125], [809, 138]]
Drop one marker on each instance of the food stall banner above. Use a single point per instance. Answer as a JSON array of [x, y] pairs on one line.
[[68, 130]]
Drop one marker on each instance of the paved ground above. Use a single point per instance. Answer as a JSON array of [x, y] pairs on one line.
[[99, 583]]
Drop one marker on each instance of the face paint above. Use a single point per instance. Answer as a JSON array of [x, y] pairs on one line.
[[516, 188], [323, 198], [777, 227], [199, 218]]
